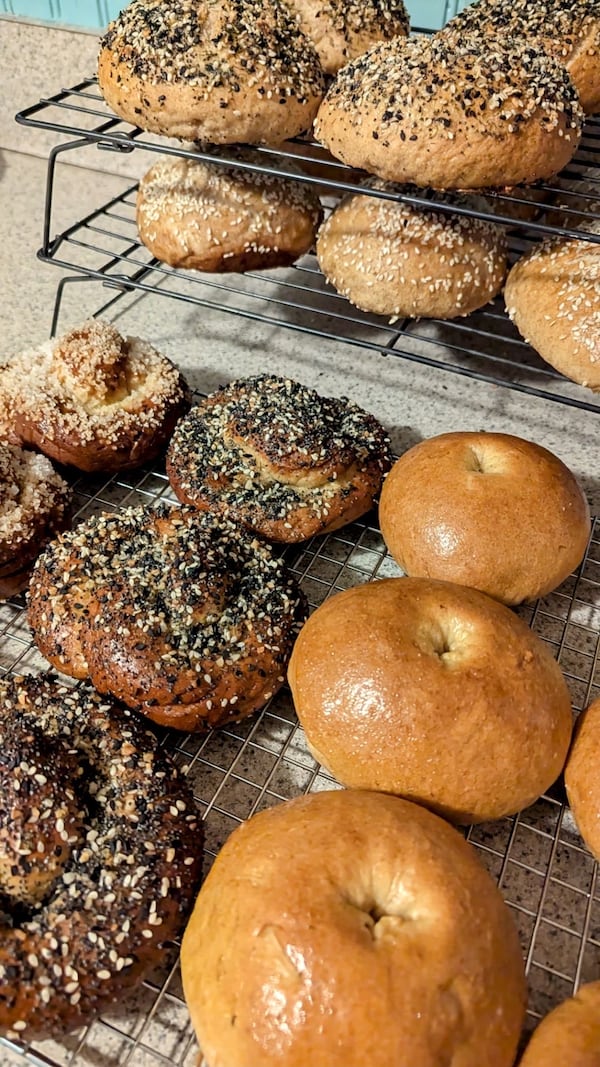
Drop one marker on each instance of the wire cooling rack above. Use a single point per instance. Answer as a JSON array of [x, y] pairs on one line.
[[484, 346], [547, 876]]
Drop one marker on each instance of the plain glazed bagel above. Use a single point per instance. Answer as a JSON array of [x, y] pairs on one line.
[[434, 692], [508, 115], [582, 779], [569, 30], [487, 510], [93, 399], [399, 259], [351, 928], [274, 456], [35, 504], [100, 854], [202, 216], [180, 615], [220, 71], [343, 29], [570, 1035], [553, 296]]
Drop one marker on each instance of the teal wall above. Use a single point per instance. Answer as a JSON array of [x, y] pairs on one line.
[[96, 13]]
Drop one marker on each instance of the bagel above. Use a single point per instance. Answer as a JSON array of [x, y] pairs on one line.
[[469, 114], [35, 504], [487, 510], [200, 216], [100, 854], [582, 777], [237, 71], [570, 1035], [352, 928], [343, 29], [569, 30], [278, 458], [93, 399], [176, 613], [434, 692]]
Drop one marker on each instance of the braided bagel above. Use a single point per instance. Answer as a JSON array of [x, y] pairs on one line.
[[34, 505], [174, 612], [100, 854], [93, 399], [278, 458]]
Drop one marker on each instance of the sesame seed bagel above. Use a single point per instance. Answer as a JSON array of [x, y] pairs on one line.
[[100, 854], [34, 506], [569, 30], [201, 216], [432, 691], [487, 510], [570, 1035], [582, 777], [453, 115], [222, 71], [343, 29], [278, 458], [553, 296], [94, 400], [176, 613], [398, 259], [349, 928]]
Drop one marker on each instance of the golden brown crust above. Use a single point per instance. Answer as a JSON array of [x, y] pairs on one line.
[[397, 259], [175, 613], [343, 29], [570, 1035], [101, 854], [93, 399], [239, 71], [553, 297], [582, 777], [279, 458], [200, 216], [432, 691], [487, 510], [510, 115], [368, 933], [35, 504], [566, 30]]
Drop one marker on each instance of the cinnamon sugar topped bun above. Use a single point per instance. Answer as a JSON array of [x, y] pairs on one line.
[[279, 458], [178, 614], [93, 399], [100, 854], [34, 506]]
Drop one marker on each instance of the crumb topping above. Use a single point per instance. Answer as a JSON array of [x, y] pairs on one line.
[[436, 85], [204, 196], [210, 45], [268, 446], [125, 856], [464, 254], [560, 25], [93, 385], [34, 499]]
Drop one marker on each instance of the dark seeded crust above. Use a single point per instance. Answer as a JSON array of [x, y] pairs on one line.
[[279, 458], [131, 862], [35, 504], [95, 400], [174, 612], [239, 71], [473, 114], [343, 29], [569, 30]]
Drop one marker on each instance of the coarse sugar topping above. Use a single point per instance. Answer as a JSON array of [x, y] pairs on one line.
[[211, 44], [439, 86], [33, 497]]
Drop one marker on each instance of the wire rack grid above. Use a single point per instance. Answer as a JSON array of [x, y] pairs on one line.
[[546, 874], [484, 346]]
